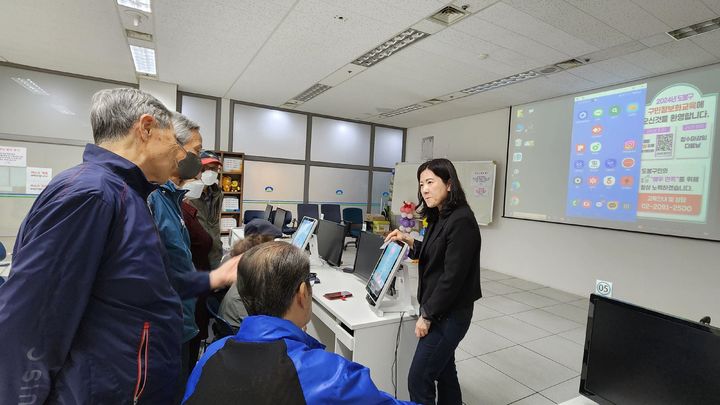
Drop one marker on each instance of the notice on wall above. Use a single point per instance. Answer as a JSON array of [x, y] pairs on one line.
[[36, 179], [677, 154], [481, 183], [13, 156], [232, 165], [230, 204], [426, 152]]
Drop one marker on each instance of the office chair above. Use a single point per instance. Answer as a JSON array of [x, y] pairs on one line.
[[220, 326], [331, 212], [353, 219], [288, 218], [307, 210], [249, 215]]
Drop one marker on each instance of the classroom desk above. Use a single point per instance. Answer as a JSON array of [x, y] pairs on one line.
[[351, 329]]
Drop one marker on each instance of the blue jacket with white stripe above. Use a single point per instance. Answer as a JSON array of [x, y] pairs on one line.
[[272, 361]]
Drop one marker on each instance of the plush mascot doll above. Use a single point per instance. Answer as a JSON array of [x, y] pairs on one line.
[[407, 217]]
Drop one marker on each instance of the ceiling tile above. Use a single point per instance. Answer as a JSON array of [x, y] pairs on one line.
[[657, 39], [678, 15], [652, 61], [530, 27], [625, 16], [714, 5], [54, 35], [204, 46], [685, 53], [531, 49], [572, 20], [709, 41]]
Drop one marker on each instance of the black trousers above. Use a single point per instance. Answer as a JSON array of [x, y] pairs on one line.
[[434, 361]]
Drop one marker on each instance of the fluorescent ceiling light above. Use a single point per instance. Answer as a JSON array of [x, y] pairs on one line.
[[144, 59], [390, 46], [142, 5], [30, 86], [505, 81], [312, 92], [403, 110], [695, 29]]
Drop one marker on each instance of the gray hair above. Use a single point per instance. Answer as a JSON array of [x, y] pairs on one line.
[[114, 111], [183, 127], [269, 276]]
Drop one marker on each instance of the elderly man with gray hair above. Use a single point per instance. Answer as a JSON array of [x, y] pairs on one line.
[[189, 283], [88, 315]]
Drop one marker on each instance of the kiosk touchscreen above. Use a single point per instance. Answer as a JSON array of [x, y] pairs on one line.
[[382, 275], [304, 232]]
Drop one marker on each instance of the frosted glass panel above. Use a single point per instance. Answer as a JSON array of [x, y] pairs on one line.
[[388, 147], [44, 104], [380, 190], [264, 132], [280, 184], [203, 111], [339, 186], [340, 142]]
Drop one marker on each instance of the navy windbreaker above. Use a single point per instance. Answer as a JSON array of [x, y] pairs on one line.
[[272, 361], [88, 314]]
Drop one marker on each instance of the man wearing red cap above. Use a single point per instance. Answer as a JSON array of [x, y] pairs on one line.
[[209, 204]]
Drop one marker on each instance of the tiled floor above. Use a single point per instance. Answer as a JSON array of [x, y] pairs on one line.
[[524, 346]]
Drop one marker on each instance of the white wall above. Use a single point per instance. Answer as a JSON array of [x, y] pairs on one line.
[[674, 275], [165, 92]]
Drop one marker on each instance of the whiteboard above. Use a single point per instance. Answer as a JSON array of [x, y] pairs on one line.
[[13, 206], [476, 177]]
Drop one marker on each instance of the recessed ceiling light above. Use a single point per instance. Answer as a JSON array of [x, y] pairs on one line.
[[695, 29], [144, 59], [312, 92], [390, 46], [142, 5], [30, 86]]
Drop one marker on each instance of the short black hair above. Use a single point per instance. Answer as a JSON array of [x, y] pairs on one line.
[[444, 169], [269, 276]]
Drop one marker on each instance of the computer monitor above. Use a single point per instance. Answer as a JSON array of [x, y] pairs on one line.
[[268, 211], [367, 255], [236, 234], [382, 275], [331, 238], [634, 355], [301, 237], [279, 219]]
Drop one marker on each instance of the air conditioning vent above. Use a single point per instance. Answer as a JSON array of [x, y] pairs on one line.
[[138, 35], [448, 15]]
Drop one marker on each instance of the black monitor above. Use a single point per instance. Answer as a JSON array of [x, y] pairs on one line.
[[268, 211], [634, 355], [279, 219], [367, 255], [331, 238]]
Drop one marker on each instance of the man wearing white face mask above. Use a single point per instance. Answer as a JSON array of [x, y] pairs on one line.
[[209, 203], [165, 206]]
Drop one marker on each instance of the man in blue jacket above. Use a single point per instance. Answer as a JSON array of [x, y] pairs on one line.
[[272, 360], [165, 206], [87, 315]]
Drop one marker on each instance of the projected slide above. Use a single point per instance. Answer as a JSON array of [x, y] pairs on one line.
[[640, 156], [605, 152], [677, 154]]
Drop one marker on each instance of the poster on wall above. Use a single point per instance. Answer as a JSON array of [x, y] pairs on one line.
[[36, 179], [427, 148], [13, 156]]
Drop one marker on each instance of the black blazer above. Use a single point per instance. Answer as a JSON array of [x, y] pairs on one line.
[[449, 264]]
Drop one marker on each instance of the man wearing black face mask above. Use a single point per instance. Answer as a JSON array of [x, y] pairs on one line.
[[165, 206]]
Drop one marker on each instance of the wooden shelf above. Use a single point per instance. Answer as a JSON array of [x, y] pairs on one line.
[[232, 192]]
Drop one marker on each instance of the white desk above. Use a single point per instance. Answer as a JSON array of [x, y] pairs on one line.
[[351, 329]]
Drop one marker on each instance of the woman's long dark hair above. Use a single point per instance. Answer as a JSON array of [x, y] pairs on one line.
[[444, 169]]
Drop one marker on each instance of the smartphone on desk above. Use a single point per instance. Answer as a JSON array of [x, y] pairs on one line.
[[338, 295]]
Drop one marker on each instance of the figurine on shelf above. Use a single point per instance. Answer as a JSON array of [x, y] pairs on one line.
[[226, 181], [235, 186], [407, 217]]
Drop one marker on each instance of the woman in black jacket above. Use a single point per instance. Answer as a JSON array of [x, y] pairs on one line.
[[449, 281]]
